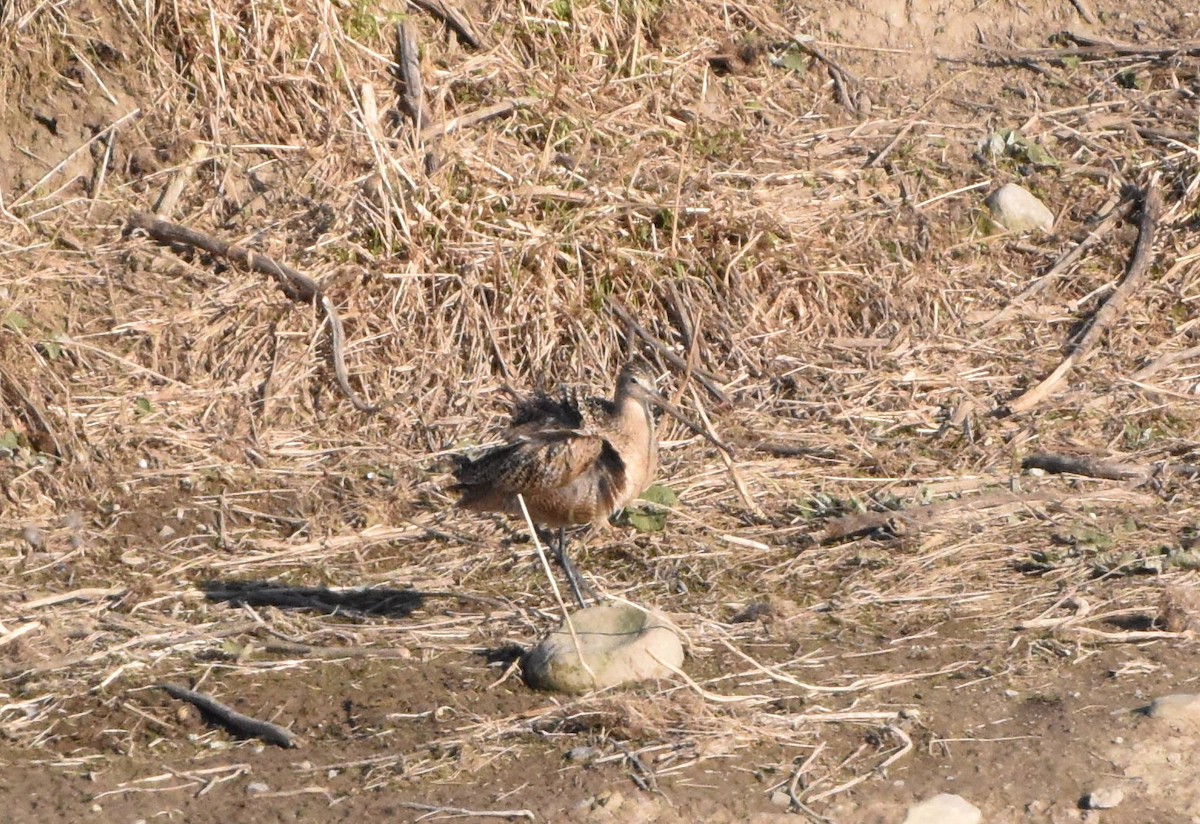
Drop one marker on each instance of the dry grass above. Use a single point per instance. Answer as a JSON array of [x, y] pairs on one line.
[[178, 427]]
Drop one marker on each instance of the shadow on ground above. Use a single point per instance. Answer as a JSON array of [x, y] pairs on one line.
[[394, 603]]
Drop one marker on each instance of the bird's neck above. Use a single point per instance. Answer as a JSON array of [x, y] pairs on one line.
[[628, 406]]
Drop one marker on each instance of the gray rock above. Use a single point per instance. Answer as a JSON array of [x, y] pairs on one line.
[[620, 644], [1104, 798], [944, 808], [257, 788], [1017, 210], [1181, 706]]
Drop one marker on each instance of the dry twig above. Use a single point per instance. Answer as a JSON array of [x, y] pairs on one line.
[[454, 18], [1063, 264], [408, 67], [1106, 470], [295, 285], [1139, 264], [234, 721]]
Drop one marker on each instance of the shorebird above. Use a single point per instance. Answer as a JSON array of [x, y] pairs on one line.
[[573, 461]]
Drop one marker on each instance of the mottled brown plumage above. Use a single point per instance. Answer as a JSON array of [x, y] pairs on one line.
[[573, 461]]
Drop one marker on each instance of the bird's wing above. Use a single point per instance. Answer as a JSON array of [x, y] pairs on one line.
[[540, 462], [542, 411]]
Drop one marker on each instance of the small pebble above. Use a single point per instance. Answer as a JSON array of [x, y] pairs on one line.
[[256, 787], [781, 799], [34, 537], [1018, 210], [166, 532], [1104, 798]]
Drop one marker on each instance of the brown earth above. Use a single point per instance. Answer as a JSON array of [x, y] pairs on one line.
[[805, 226]]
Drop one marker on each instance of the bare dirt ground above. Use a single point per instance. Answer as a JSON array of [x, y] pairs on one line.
[[782, 208]]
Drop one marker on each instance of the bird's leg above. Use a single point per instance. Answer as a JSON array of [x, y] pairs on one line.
[[564, 561]]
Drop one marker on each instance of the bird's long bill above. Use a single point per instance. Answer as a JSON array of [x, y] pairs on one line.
[[678, 414]]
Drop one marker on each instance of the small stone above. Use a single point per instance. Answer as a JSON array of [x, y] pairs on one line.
[[1016, 209], [619, 645], [1179, 609], [581, 755], [1104, 798], [862, 104], [166, 531], [34, 537], [257, 787], [1181, 706], [781, 799], [944, 808]]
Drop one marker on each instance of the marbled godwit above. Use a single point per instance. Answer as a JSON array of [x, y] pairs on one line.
[[573, 461]]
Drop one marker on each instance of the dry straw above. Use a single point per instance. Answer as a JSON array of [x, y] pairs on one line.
[[804, 247]]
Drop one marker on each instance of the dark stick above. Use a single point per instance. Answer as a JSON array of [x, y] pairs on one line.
[[1089, 467], [454, 18], [408, 62], [1106, 470], [232, 720]]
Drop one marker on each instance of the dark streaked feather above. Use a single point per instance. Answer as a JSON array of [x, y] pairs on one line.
[[543, 409]]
